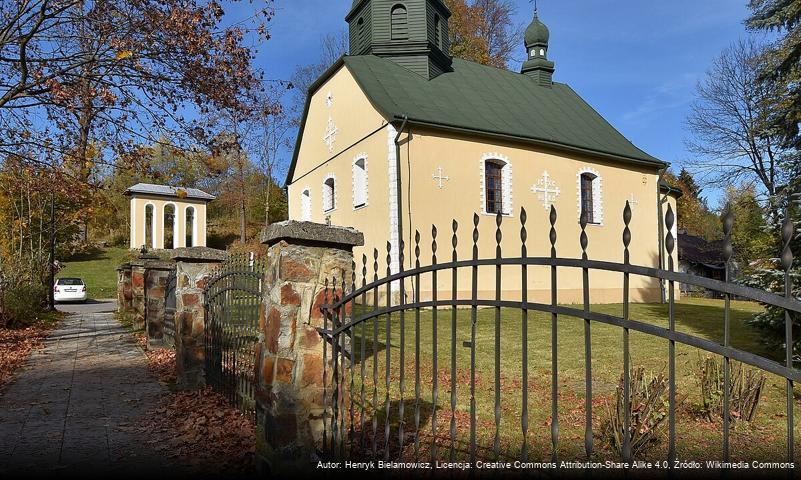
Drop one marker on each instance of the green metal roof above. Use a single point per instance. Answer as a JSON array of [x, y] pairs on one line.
[[477, 99]]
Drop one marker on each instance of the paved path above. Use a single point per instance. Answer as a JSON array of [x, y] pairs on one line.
[[63, 412], [90, 306]]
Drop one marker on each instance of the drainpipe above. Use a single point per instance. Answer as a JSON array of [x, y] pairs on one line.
[[661, 231], [398, 183]]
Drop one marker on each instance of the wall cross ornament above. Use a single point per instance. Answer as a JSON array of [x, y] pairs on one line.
[[633, 202], [439, 177], [329, 100], [547, 190], [330, 134]]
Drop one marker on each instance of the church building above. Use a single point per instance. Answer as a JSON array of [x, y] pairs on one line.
[[399, 136]]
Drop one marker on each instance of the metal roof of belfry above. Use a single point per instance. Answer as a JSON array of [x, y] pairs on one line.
[[168, 191]]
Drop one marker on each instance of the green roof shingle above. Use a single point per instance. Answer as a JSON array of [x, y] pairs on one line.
[[489, 100]]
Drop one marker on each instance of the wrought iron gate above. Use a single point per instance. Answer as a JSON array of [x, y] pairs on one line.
[[377, 393], [232, 298]]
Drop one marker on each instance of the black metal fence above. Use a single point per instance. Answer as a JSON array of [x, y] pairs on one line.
[[232, 299], [361, 422]]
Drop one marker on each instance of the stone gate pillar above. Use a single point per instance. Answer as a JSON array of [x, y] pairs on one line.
[[194, 267], [289, 369], [156, 274]]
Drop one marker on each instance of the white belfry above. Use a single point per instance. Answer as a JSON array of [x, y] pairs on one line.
[[440, 177], [546, 190]]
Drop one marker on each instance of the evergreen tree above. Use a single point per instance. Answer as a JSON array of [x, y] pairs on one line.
[[784, 64], [770, 275]]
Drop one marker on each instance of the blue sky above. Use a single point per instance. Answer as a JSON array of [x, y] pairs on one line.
[[636, 61]]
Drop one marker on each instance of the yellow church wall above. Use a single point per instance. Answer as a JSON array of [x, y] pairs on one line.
[[137, 219], [361, 134], [361, 131], [461, 160]]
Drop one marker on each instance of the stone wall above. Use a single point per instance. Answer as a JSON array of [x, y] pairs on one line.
[[194, 268], [124, 289], [289, 390], [156, 275], [138, 294]]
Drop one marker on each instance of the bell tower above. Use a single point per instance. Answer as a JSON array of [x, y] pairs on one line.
[[537, 65], [412, 33]]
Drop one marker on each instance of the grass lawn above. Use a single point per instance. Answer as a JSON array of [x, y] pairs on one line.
[[764, 439], [98, 270]]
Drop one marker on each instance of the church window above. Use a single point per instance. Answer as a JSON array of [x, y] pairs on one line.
[[493, 186], [399, 20], [437, 32], [329, 194], [305, 205], [360, 182], [362, 31], [589, 191]]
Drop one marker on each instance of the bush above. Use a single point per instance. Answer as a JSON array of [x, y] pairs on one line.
[[23, 304], [745, 389], [648, 409]]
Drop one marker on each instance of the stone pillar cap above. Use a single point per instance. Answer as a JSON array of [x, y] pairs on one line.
[[310, 232], [199, 254]]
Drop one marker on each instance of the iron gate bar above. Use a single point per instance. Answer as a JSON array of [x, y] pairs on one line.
[[761, 296], [454, 294], [585, 285], [788, 229], [473, 320], [670, 243], [417, 350], [626, 359], [647, 328], [524, 334], [728, 224], [554, 345], [434, 345]]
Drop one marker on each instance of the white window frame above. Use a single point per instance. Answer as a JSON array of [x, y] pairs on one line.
[[506, 180], [175, 218], [597, 195], [366, 187], [306, 204], [152, 224], [325, 192]]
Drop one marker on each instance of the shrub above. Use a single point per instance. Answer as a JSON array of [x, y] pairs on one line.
[[648, 409], [745, 389], [23, 304]]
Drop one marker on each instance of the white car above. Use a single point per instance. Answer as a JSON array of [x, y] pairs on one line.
[[69, 290]]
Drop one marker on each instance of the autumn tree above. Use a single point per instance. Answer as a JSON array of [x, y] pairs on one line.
[[784, 61], [117, 74], [483, 31], [731, 133], [693, 212]]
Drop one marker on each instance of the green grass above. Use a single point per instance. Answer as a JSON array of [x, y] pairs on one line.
[[697, 439], [98, 270]]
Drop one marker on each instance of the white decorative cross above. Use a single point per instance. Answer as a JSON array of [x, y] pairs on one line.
[[439, 177], [329, 100], [330, 134], [633, 202], [546, 190]]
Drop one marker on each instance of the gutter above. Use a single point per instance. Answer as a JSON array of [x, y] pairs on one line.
[[398, 184]]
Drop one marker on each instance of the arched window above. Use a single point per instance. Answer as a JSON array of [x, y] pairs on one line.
[[305, 205], [589, 191], [360, 182], [150, 225], [190, 227], [400, 26], [329, 194], [496, 183], [169, 226], [437, 33]]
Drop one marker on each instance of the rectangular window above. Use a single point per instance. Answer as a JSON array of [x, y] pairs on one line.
[[587, 199], [493, 187]]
